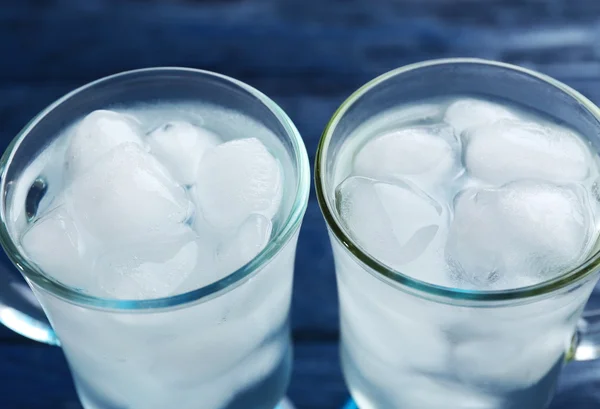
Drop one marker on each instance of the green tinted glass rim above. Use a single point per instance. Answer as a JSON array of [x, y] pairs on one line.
[[289, 227], [569, 278]]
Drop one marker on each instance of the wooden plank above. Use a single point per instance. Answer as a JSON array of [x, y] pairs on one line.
[[272, 38], [39, 368], [317, 381], [484, 12]]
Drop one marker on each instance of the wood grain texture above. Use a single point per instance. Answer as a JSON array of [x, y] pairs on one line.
[[83, 40]]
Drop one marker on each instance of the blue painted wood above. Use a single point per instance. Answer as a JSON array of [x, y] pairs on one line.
[[55, 40]]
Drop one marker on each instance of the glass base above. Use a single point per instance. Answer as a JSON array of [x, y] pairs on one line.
[[350, 405], [285, 404]]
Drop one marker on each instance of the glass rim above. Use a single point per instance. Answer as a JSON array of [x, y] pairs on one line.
[[284, 235], [412, 284]]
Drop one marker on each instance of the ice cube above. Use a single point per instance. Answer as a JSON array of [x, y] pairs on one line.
[[467, 113], [180, 146], [421, 154], [418, 390], [207, 269], [55, 244], [394, 222], [402, 339], [512, 150], [409, 387], [511, 360], [127, 195], [269, 290], [96, 135], [209, 351], [217, 388], [260, 364], [251, 237], [236, 179], [431, 265], [152, 269], [520, 234]]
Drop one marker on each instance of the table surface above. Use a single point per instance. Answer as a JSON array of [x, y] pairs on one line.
[[308, 55]]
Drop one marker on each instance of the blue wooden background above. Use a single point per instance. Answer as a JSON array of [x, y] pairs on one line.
[[308, 55]]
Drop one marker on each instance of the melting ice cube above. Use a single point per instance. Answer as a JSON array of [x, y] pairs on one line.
[[394, 222], [55, 244], [236, 179], [96, 135], [151, 269], [127, 195], [421, 154], [511, 360], [512, 150], [180, 146], [522, 233], [252, 236], [467, 113]]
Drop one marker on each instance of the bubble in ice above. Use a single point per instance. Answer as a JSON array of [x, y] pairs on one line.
[[236, 179], [149, 269], [467, 113], [180, 146], [127, 195], [422, 154], [512, 150], [249, 240], [53, 239], [97, 134], [394, 222], [519, 234]]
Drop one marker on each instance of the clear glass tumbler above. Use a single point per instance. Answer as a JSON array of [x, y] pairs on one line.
[[410, 344], [225, 345]]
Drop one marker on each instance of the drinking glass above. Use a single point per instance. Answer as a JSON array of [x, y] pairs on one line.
[[406, 343], [224, 345]]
